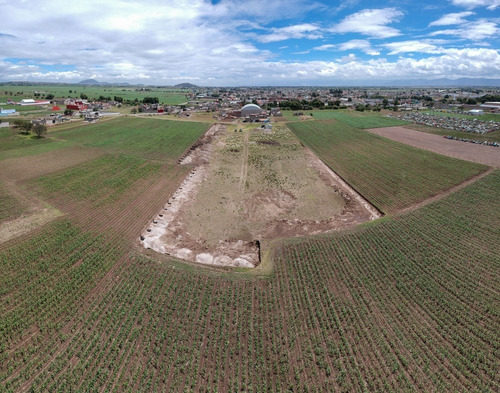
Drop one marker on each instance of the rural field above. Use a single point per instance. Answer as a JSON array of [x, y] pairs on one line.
[[168, 96], [390, 175], [406, 302]]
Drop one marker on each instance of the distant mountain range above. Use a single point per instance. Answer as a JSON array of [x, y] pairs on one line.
[[93, 82], [444, 82]]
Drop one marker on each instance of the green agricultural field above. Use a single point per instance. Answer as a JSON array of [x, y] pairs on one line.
[[169, 96], [390, 175], [148, 138], [407, 304], [100, 181], [361, 119], [9, 205], [349, 117]]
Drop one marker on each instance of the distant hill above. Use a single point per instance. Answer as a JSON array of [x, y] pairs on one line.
[[186, 86], [92, 82]]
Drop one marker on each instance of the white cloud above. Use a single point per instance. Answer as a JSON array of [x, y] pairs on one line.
[[469, 4], [325, 47], [452, 19], [216, 44], [371, 22], [474, 31], [304, 30], [424, 46], [363, 45]]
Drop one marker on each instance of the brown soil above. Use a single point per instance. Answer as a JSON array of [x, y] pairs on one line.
[[245, 215], [481, 154]]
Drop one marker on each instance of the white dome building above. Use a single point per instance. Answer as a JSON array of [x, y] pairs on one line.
[[250, 109]]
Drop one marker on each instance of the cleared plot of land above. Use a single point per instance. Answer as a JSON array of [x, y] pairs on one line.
[[390, 175], [406, 304], [143, 137], [259, 184], [256, 178], [486, 155]]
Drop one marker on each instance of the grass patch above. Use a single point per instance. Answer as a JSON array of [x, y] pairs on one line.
[[349, 117], [11, 139], [389, 174], [148, 138]]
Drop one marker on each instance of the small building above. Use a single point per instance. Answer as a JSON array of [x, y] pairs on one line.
[[8, 112], [31, 101], [76, 106]]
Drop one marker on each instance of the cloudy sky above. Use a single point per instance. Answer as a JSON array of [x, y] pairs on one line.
[[255, 42]]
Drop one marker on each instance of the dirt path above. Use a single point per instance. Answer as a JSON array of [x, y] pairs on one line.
[[481, 154], [244, 163]]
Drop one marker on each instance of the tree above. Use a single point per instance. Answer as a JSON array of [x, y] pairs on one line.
[[49, 96], [39, 130], [68, 112], [23, 125], [133, 110], [83, 96]]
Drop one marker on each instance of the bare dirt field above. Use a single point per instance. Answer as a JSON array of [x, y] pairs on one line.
[[249, 185], [482, 154]]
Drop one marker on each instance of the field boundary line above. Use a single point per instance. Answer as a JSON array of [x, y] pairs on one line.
[[444, 194]]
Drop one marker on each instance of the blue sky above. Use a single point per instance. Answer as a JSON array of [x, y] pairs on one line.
[[256, 42]]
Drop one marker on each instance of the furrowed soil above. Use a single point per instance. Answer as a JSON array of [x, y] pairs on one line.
[[251, 184]]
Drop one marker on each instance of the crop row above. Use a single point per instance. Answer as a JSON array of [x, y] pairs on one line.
[[406, 304], [100, 181], [157, 139], [390, 175]]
